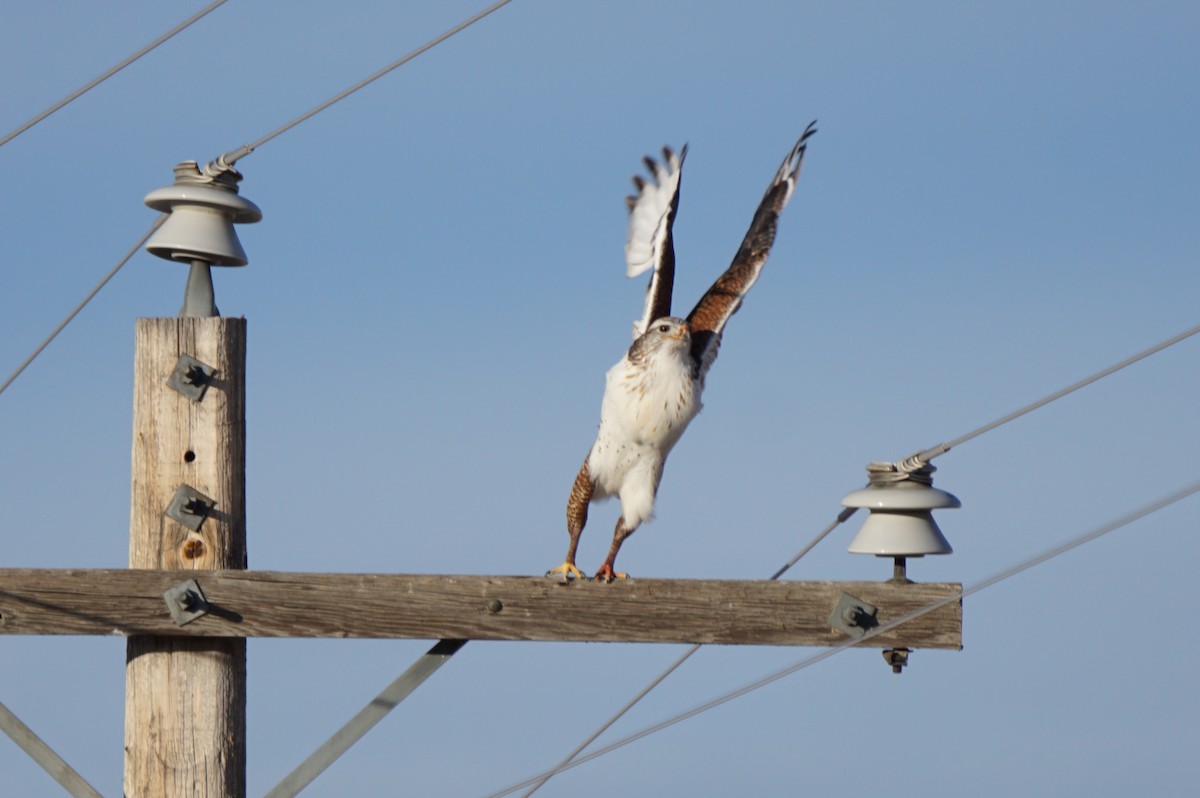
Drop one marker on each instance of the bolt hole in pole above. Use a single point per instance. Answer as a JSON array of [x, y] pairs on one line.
[[189, 456]]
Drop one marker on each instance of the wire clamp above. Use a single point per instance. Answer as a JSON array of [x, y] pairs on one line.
[[190, 507], [186, 602], [191, 377]]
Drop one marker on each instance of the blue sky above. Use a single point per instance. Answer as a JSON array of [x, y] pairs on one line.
[[1001, 200]]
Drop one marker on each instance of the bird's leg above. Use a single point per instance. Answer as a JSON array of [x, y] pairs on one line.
[[577, 513], [568, 569], [606, 572]]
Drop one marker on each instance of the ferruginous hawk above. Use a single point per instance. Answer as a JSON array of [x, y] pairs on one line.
[[653, 392]]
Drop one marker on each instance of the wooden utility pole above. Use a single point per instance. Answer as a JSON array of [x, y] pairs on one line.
[[185, 697]]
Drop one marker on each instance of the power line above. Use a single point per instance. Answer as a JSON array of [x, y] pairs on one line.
[[921, 458], [133, 251], [657, 680], [105, 76], [941, 449], [229, 158], [1007, 573]]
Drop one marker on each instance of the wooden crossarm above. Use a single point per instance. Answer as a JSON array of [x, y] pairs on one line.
[[278, 604]]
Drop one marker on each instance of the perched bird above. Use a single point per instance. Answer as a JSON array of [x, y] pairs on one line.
[[653, 392]]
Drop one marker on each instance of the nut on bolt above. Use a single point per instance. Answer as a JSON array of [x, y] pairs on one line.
[[188, 600], [896, 657]]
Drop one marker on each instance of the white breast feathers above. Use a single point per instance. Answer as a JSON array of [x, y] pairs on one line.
[[650, 397]]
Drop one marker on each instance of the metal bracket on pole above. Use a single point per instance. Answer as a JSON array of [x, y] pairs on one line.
[[191, 377], [190, 507], [186, 602], [853, 616], [366, 719]]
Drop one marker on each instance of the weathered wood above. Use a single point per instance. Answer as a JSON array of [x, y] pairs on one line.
[[274, 604], [185, 698]]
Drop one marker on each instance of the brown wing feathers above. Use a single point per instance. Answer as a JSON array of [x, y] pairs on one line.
[[723, 299]]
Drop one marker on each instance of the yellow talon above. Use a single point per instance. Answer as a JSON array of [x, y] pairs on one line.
[[606, 574], [567, 571]]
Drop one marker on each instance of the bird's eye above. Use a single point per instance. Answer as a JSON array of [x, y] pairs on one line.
[[664, 328]]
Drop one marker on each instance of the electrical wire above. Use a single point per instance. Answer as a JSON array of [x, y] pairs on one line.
[[105, 76], [232, 157], [565, 761], [228, 158], [133, 251], [941, 449], [571, 761], [920, 458], [1007, 573]]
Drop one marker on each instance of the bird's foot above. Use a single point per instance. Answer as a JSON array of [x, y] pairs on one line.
[[567, 571], [606, 574]]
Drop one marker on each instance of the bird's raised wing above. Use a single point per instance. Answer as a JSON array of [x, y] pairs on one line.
[[651, 214], [723, 299]]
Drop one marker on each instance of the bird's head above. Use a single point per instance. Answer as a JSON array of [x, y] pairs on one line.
[[670, 328], [667, 336]]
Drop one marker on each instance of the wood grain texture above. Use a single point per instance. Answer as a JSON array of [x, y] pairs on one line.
[[167, 426], [277, 604], [185, 698]]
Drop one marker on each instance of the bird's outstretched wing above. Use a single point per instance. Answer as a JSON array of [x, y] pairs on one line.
[[651, 214], [723, 299]]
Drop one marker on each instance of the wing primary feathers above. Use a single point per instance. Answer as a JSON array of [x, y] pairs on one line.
[[707, 320], [650, 244]]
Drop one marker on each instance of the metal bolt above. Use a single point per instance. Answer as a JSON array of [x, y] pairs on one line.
[[195, 375], [896, 657], [187, 600], [190, 377], [495, 605]]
